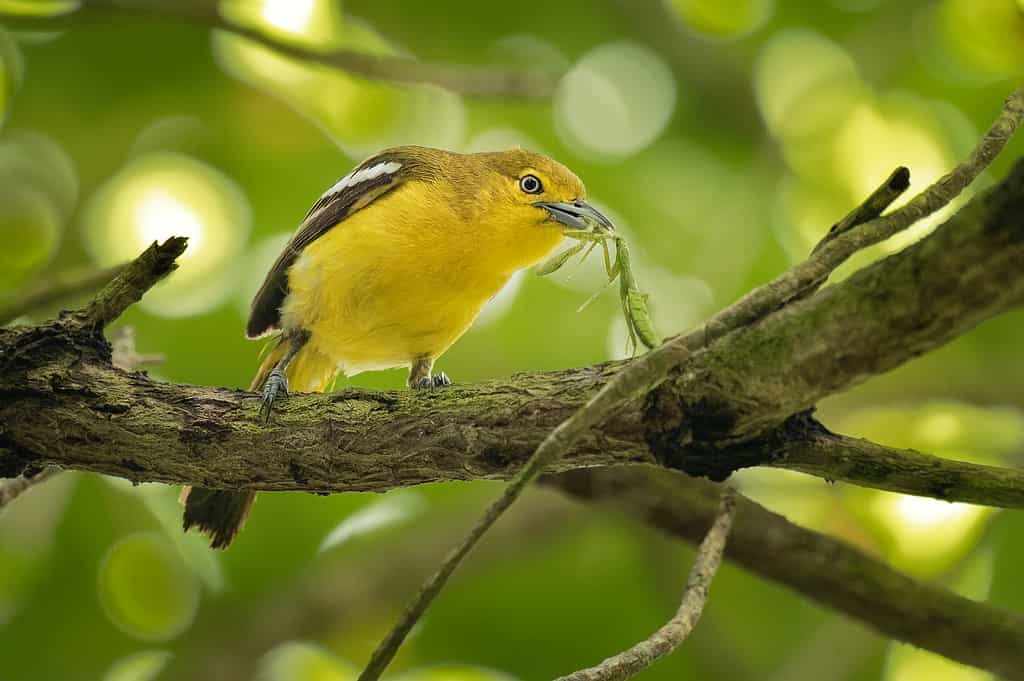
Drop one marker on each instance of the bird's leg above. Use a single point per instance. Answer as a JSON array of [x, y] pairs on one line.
[[276, 382], [419, 374]]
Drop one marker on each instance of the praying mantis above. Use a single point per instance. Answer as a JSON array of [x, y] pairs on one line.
[[634, 302]]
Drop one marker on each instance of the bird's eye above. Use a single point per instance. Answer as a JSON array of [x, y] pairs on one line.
[[530, 184]]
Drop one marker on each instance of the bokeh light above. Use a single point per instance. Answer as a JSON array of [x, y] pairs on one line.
[[32, 225], [38, 190], [926, 536], [615, 101], [146, 589], [167, 194], [805, 84], [873, 141], [724, 19], [987, 35], [31, 159], [312, 22]]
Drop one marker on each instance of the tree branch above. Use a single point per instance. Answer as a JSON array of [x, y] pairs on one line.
[[865, 463], [671, 635], [821, 568]]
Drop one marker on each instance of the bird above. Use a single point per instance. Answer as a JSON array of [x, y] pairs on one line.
[[389, 267]]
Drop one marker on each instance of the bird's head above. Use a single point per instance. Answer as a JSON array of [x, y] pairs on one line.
[[538, 191]]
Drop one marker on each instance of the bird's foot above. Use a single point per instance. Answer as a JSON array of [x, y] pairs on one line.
[[276, 385], [438, 380]]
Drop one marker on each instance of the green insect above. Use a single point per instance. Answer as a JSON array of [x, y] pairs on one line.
[[634, 302]]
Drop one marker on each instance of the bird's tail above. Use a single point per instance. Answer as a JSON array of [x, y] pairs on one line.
[[221, 513]]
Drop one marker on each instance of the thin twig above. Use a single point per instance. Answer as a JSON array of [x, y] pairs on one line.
[[671, 635], [49, 292], [649, 369], [125, 356], [12, 488], [873, 206], [472, 80]]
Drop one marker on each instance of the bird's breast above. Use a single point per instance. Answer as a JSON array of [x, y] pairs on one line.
[[377, 294]]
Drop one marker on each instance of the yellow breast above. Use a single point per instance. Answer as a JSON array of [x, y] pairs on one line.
[[405, 278]]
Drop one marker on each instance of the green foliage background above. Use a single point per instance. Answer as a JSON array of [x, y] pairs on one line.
[[775, 119]]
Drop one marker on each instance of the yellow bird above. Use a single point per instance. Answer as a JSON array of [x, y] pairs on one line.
[[390, 267]]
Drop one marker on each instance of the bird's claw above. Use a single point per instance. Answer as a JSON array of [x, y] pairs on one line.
[[438, 380], [277, 384]]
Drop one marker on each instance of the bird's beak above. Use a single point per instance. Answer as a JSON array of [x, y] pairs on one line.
[[578, 215]]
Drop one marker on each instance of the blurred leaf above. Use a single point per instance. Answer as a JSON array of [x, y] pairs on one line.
[[146, 589], [304, 662], [38, 8], [142, 666], [393, 509]]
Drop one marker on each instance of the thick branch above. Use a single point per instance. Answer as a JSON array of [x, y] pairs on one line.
[[63, 403], [819, 567]]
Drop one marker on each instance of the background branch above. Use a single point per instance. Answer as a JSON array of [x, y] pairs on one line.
[[671, 635], [824, 569], [471, 80]]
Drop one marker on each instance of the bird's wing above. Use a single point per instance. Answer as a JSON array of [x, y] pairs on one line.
[[369, 181]]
